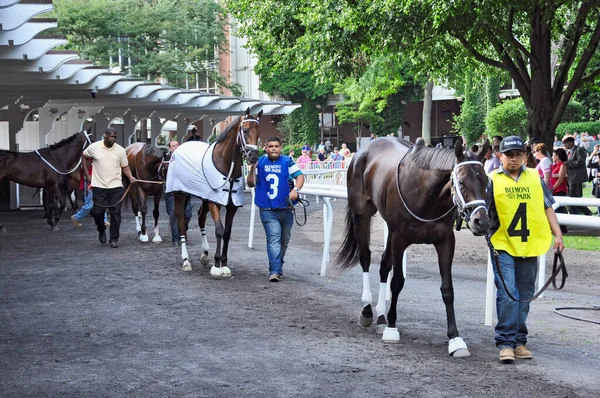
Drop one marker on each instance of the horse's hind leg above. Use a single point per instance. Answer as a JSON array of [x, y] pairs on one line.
[[180, 200], [398, 246], [143, 210], [384, 272], [202, 213], [362, 234], [156, 213], [445, 251]]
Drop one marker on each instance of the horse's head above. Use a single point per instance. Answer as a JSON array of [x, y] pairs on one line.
[[164, 166], [469, 183], [248, 136]]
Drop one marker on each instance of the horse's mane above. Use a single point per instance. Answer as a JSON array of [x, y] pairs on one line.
[[228, 129], [153, 151], [63, 142], [433, 158]]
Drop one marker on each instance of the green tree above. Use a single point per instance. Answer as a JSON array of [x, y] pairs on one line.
[[514, 36], [170, 40]]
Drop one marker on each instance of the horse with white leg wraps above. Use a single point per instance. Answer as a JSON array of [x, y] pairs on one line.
[[417, 190], [214, 174]]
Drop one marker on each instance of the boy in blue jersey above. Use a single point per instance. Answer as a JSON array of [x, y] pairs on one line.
[[272, 176]]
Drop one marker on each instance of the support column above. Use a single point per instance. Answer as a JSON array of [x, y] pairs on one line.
[[155, 128], [15, 120]]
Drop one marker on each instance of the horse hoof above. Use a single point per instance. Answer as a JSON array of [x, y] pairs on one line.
[[461, 353], [391, 336], [458, 348], [216, 272], [204, 260], [144, 238], [364, 321], [2, 229], [54, 229], [157, 239], [187, 266], [226, 272]]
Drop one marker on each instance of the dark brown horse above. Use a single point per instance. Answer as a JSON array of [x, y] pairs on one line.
[[146, 164], [417, 190], [46, 168], [213, 173]]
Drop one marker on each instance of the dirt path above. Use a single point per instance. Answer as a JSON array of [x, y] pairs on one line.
[[81, 320]]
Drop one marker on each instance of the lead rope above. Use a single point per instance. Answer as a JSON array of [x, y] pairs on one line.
[[555, 270]]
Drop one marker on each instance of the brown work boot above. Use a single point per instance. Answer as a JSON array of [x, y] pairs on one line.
[[523, 353], [76, 221], [507, 355]]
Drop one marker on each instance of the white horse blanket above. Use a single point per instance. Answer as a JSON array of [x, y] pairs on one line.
[[191, 170]]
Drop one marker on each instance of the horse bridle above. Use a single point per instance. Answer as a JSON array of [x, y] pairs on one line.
[[245, 148], [85, 143], [458, 198]]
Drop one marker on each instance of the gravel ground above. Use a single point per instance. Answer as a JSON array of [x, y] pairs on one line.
[[83, 320]]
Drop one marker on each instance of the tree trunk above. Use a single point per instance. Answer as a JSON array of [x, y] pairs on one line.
[[427, 102]]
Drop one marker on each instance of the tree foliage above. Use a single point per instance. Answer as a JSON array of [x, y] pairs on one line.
[[522, 38], [170, 40]]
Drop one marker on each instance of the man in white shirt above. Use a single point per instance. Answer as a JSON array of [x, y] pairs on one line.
[[109, 161]]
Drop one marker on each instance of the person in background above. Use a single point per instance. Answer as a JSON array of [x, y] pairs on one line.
[[194, 136], [544, 163], [272, 176], [494, 161], [304, 159], [336, 158], [344, 151], [321, 155], [170, 205], [291, 154], [522, 228], [594, 165], [558, 178], [109, 162], [577, 173]]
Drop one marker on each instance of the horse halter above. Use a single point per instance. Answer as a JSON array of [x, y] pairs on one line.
[[458, 198], [245, 148]]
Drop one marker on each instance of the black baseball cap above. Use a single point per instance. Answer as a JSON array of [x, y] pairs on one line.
[[512, 143]]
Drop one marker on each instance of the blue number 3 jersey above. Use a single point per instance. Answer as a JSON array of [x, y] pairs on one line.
[[272, 176]]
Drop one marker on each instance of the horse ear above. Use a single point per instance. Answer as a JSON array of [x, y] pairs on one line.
[[259, 115], [484, 149], [458, 149], [248, 112]]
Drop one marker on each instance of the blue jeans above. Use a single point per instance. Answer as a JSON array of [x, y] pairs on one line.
[[170, 205], [519, 274], [88, 204], [278, 229]]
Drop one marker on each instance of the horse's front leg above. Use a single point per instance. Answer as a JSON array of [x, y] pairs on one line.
[[143, 210], [445, 251], [180, 200], [216, 270], [156, 213], [229, 215], [398, 247]]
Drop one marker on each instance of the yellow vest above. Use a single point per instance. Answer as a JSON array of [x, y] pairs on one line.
[[524, 229]]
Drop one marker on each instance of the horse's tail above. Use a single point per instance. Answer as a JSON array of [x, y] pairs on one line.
[[348, 254]]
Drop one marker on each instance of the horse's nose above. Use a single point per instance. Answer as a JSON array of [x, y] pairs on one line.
[[480, 223]]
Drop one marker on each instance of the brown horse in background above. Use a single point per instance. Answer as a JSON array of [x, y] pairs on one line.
[[417, 190], [46, 168], [147, 164], [237, 142]]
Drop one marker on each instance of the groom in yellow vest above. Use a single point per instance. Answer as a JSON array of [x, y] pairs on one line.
[[522, 225]]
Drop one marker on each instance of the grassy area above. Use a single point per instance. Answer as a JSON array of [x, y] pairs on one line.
[[591, 243]]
